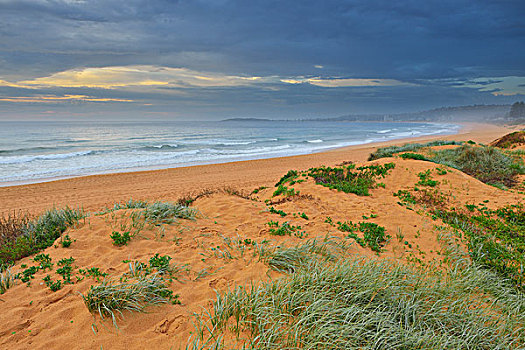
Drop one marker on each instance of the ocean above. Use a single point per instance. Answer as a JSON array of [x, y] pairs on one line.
[[40, 151]]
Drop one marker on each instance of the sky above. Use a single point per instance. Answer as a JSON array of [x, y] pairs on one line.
[[215, 59]]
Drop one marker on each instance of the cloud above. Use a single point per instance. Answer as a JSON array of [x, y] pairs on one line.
[[138, 76], [145, 77], [500, 86], [58, 99], [345, 82]]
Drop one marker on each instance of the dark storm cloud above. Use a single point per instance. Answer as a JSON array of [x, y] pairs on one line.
[[458, 50]]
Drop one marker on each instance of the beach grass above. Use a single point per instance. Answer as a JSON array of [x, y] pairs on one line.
[[363, 303], [112, 297], [165, 213], [23, 236]]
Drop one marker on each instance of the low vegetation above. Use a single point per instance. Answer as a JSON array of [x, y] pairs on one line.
[[487, 164], [384, 152], [495, 238], [7, 280], [22, 236], [112, 297], [374, 236], [356, 303], [511, 140], [350, 179], [143, 285], [165, 212]]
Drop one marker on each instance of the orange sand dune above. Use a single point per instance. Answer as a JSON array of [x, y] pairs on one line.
[[212, 248]]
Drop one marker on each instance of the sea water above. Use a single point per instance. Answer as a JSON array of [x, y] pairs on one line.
[[39, 151]]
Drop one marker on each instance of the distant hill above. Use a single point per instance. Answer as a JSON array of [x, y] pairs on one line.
[[491, 113], [247, 120], [474, 113]]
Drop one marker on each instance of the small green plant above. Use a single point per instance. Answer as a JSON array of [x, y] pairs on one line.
[[304, 216], [66, 241], [57, 285], [44, 260], [120, 239], [54, 286], [65, 269], [347, 226], [374, 235], [405, 196], [290, 175], [161, 263], [287, 192], [399, 234], [259, 189], [28, 274], [441, 171], [275, 211], [425, 179], [284, 229]]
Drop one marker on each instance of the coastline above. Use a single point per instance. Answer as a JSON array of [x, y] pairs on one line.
[[96, 191]]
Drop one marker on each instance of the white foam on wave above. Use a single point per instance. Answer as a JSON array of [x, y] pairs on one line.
[[222, 142], [314, 141], [173, 145], [27, 159]]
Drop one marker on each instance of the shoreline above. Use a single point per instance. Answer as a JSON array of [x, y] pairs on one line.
[[96, 191], [451, 129], [134, 169]]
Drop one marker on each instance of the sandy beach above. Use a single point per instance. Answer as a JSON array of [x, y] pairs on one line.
[[94, 192], [211, 251]]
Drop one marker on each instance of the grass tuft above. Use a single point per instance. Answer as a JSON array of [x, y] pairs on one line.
[[7, 280], [111, 298], [165, 213]]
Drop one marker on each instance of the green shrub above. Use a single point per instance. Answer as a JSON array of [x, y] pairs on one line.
[[373, 235], [120, 239], [415, 156], [425, 179], [27, 237], [287, 192], [275, 211], [66, 241]]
